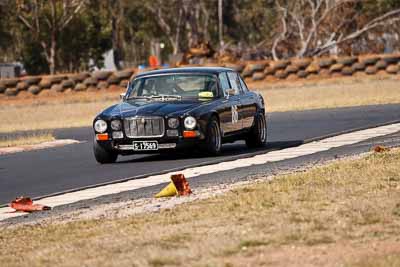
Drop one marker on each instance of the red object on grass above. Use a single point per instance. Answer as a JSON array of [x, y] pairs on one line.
[[26, 204]]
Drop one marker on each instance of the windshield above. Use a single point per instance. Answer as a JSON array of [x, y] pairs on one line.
[[174, 86]]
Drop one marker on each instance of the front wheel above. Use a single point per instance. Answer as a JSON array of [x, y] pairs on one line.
[[213, 139], [257, 137], [102, 155]]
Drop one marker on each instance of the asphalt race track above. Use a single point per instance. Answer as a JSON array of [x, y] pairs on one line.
[[44, 172]]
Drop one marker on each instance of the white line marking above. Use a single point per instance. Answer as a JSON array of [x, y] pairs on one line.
[[288, 153]]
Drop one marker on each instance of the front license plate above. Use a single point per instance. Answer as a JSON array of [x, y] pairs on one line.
[[145, 145]]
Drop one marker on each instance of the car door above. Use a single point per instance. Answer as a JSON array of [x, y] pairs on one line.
[[248, 105], [229, 115], [235, 100]]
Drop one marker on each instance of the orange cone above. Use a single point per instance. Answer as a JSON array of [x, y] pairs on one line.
[[181, 184], [178, 186], [25, 204]]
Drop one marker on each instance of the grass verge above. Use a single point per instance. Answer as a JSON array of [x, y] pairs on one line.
[[30, 139], [328, 216]]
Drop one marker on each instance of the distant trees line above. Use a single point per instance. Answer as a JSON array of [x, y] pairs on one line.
[[50, 36]]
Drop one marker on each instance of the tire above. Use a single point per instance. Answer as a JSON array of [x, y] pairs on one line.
[[213, 139], [257, 137], [102, 155]]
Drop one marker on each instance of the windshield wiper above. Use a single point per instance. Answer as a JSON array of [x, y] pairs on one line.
[[154, 97], [166, 97], [140, 97]]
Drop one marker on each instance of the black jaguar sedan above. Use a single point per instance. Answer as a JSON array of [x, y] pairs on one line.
[[181, 108]]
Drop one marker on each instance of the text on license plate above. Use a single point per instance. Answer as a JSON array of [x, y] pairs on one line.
[[145, 145]]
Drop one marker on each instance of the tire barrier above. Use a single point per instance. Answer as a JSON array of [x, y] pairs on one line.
[[31, 80], [57, 88], [34, 89], [67, 84], [258, 76], [381, 64], [369, 60], [45, 83], [313, 68], [101, 75], [302, 74], [102, 85], [270, 71], [11, 82], [347, 61], [124, 74], [358, 67], [124, 83], [91, 81], [236, 67], [326, 62], [302, 63], [347, 71], [371, 70], [279, 65], [22, 86], [336, 68], [113, 80], [292, 69], [3, 87], [391, 59], [393, 69], [80, 77], [11, 92], [80, 87]]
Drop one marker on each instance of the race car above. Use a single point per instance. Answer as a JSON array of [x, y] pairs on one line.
[[180, 109]]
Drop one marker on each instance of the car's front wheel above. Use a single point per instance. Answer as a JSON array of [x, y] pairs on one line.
[[213, 139], [257, 137], [102, 155]]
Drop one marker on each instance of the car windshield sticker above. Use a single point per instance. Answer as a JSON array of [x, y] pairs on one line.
[[235, 114]]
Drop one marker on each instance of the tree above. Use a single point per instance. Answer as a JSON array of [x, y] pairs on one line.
[[312, 27], [170, 19], [46, 20]]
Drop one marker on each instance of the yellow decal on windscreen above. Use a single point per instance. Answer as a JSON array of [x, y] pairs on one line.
[[206, 94]]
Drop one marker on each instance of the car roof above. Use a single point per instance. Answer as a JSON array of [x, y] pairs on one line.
[[205, 70]]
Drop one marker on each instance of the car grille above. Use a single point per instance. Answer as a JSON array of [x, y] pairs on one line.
[[138, 127]]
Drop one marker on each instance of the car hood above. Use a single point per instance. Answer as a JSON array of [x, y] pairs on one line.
[[152, 108]]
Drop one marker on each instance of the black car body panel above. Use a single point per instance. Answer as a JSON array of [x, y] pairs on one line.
[[235, 113]]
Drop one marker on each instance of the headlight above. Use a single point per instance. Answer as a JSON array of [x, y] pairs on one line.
[[190, 123], [116, 125], [173, 123], [100, 126]]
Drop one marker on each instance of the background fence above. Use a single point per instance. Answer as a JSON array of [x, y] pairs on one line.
[[306, 68]]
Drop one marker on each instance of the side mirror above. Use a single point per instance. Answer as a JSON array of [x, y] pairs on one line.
[[122, 96], [230, 92]]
